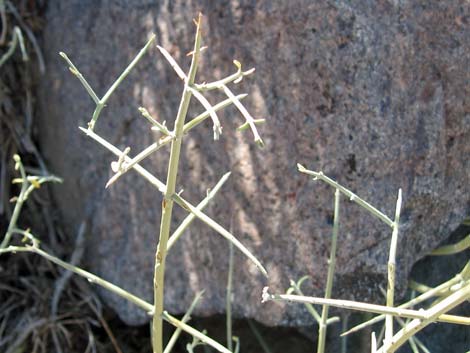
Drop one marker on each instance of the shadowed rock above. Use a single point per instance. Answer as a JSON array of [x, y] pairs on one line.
[[374, 93]]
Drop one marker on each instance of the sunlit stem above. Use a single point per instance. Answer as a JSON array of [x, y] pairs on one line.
[[19, 202], [167, 203], [430, 316], [178, 199], [130, 163], [365, 307], [195, 333], [174, 337], [191, 217], [392, 271], [419, 299], [352, 196], [101, 102], [329, 281], [221, 230]]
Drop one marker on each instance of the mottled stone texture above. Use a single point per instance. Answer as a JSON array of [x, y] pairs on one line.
[[374, 93]]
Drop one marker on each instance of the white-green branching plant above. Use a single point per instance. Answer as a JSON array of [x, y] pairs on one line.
[[450, 293], [28, 183], [174, 138]]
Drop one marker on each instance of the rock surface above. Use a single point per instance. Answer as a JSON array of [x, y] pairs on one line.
[[374, 93]]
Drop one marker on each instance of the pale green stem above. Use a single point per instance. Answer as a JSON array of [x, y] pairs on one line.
[[310, 307], [73, 69], [365, 307], [221, 230], [373, 344], [139, 169], [193, 332], [465, 273], [183, 203], [122, 77], [17, 38], [414, 341], [431, 315], [322, 327], [352, 197], [19, 202], [236, 77], [187, 316], [422, 288], [167, 204], [295, 287], [191, 217], [419, 299], [173, 63], [228, 301], [249, 119], [101, 103], [156, 124], [392, 271], [453, 248], [118, 291], [205, 103], [130, 163], [201, 117], [89, 276]]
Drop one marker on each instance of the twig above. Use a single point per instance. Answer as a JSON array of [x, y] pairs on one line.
[[322, 326], [187, 316], [366, 307], [205, 103], [195, 333], [182, 202], [391, 271], [249, 119], [116, 290], [191, 217], [101, 103], [352, 197], [430, 316], [219, 229], [453, 248], [236, 78], [162, 142], [17, 38], [419, 299], [30, 35], [167, 204]]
